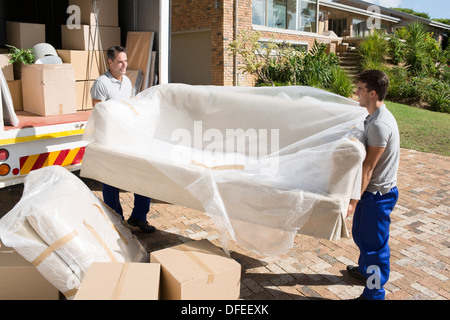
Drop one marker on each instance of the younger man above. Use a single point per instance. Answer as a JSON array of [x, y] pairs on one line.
[[379, 192]]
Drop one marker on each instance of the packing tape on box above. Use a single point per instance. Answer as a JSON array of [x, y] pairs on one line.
[[224, 167], [120, 282], [54, 246], [199, 262]]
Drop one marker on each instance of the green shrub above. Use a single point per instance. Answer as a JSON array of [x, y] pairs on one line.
[[426, 76], [373, 51], [341, 83], [437, 95], [279, 64], [396, 49]]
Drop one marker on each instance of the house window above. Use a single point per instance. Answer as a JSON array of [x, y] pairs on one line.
[[338, 26], [360, 28], [285, 14]]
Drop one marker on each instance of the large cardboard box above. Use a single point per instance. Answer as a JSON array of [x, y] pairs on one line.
[[49, 89], [87, 37], [15, 88], [197, 270], [24, 35], [20, 280], [108, 13], [88, 65], [6, 67], [120, 281], [83, 91]]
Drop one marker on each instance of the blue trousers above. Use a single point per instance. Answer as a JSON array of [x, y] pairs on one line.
[[370, 231], [112, 199]]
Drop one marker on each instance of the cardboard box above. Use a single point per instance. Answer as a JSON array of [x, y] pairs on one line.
[[120, 281], [86, 38], [49, 89], [88, 65], [83, 91], [24, 35], [20, 280], [6, 67], [15, 88], [197, 270], [108, 14]]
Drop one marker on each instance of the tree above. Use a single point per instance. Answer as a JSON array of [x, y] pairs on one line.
[[410, 11]]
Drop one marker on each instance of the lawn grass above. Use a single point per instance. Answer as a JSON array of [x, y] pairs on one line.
[[422, 130]]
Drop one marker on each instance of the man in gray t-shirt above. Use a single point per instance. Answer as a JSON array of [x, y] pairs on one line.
[[379, 194], [114, 84], [107, 87]]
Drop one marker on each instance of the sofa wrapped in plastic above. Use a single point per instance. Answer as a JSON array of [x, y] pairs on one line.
[[61, 227], [263, 163]]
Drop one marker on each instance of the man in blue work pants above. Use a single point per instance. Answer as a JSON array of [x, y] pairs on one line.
[[370, 231], [379, 192], [141, 207], [114, 84]]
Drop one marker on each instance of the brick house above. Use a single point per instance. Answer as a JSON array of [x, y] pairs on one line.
[[201, 31], [350, 19]]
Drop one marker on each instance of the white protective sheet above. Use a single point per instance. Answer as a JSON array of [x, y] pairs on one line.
[[62, 228], [263, 163]]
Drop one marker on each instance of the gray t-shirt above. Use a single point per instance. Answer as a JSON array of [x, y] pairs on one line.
[[381, 130], [107, 87]]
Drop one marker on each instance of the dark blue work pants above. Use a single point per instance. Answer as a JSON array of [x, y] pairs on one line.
[[370, 231], [112, 199]]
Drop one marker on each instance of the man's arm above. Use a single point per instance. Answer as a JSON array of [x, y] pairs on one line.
[[373, 154]]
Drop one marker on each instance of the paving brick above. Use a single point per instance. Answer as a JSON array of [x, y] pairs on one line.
[[315, 268]]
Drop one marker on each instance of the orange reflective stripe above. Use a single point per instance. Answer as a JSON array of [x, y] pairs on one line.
[[29, 163]]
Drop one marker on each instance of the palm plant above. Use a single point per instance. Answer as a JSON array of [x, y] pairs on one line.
[[415, 55]]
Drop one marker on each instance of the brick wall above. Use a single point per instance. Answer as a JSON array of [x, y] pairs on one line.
[[219, 17]]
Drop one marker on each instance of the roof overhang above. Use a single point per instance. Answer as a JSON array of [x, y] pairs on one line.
[[439, 25], [343, 7]]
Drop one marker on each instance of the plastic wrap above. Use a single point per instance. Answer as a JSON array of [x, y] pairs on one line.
[[62, 228], [263, 163]]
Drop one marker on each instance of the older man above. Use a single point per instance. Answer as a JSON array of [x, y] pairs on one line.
[[114, 84]]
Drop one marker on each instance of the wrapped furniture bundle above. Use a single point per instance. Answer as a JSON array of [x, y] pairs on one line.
[[263, 163], [62, 228]]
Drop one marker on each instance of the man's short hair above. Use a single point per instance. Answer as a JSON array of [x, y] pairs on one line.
[[113, 51], [375, 80]]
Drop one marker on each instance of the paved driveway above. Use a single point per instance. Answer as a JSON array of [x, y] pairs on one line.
[[315, 268]]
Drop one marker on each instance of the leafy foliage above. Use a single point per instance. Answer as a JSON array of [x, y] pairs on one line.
[[373, 51], [279, 64], [24, 56], [411, 11], [422, 76]]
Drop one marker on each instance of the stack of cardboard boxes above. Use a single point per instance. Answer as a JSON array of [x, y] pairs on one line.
[[20, 35], [82, 53], [40, 89], [87, 36], [84, 46], [197, 270], [15, 85]]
